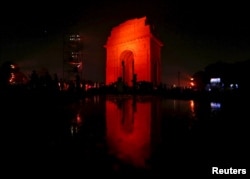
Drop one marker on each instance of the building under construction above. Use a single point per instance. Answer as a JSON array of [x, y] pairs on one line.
[[72, 56]]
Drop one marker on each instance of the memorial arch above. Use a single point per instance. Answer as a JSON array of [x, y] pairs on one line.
[[132, 51]]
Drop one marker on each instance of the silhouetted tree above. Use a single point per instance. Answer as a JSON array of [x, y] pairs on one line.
[[55, 82], [34, 80], [200, 79]]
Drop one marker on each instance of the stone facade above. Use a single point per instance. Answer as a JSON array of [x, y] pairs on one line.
[[132, 50]]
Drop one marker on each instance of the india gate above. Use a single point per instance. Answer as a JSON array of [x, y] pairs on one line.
[[133, 52]]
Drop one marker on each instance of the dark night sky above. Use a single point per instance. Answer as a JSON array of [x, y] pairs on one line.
[[194, 33]]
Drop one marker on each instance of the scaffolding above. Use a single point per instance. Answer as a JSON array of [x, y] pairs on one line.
[[72, 56]]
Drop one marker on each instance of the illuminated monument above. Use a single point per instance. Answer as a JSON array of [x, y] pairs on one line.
[[133, 52]]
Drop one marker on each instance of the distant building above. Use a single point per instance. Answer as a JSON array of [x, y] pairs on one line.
[[215, 84]]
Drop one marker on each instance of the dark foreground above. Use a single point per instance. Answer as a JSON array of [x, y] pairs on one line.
[[36, 140]]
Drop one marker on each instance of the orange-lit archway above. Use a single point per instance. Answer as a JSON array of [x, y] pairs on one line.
[[132, 50]]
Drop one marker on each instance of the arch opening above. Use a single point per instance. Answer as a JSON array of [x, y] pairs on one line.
[[127, 67]]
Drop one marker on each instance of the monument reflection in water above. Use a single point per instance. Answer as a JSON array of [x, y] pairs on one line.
[[131, 124]]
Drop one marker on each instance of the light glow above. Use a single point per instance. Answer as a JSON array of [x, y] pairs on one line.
[[215, 80]]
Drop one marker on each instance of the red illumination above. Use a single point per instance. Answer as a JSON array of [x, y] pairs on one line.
[[132, 49], [78, 119], [17, 78], [129, 130], [76, 124]]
